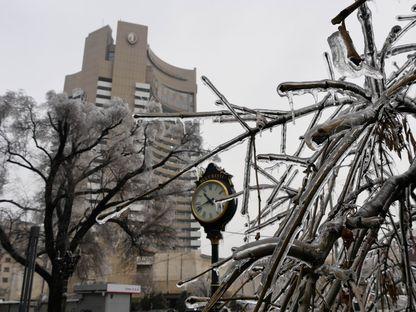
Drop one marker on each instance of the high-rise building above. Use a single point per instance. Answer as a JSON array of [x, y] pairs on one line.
[[130, 70]]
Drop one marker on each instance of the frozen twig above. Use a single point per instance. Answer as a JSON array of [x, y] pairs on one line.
[[225, 102], [325, 85], [346, 12]]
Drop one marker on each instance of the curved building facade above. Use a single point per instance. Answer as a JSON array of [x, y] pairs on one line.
[[128, 69]]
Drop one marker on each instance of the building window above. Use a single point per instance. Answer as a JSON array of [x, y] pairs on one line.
[[6, 269], [104, 88], [141, 98], [5, 280], [108, 97], [105, 79], [109, 55], [142, 89], [7, 260]]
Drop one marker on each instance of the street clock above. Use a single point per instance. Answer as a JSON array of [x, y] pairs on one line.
[[215, 184]]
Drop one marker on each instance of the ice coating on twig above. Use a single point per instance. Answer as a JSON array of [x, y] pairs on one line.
[[292, 109], [344, 65], [247, 170], [283, 139]]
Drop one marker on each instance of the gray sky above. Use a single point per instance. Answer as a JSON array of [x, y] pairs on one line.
[[245, 47]]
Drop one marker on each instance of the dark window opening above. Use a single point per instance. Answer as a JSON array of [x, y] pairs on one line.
[[104, 88], [142, 89], [141, 98], [105, 79], [108, 97]]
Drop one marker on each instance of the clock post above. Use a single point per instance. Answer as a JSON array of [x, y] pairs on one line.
[[214, 185], [215, 240]]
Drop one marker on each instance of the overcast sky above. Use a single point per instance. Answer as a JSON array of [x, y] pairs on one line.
[[245, 47]]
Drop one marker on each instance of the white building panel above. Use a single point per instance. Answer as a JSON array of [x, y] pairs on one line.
[[140, 102], [102, 101], [195, 243], [143, 85], [104, 84], [195, 234], [104, 92], [142, 94], [195, 225]]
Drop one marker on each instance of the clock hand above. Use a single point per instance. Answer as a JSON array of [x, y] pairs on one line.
[[204, 203], [209, 199]]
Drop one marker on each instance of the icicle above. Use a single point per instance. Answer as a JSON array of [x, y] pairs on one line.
[[332, 93], [246, 188], [290, 99], [283, 142], [183, 127], [219, 205], [329, 66], [315, 95]]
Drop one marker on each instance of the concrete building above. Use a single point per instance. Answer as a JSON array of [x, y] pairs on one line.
[[130, 70], [11, 279], [127, 68]]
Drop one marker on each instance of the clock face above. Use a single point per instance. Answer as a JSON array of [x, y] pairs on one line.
[[132, 38], [203, 201]]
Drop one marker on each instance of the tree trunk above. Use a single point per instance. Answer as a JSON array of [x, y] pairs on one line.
[[57, 292]]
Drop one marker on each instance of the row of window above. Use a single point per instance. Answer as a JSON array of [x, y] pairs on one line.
[[143, 98], [105, 79], [142, 89], [104, 88], [101, 96]]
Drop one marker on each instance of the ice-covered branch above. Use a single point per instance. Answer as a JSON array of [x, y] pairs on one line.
[[225, 102], [285, 158], [346, 12], [324, 85], [320, 133], [387, 193]]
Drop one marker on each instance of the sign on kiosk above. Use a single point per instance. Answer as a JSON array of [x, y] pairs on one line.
[[123, 289]]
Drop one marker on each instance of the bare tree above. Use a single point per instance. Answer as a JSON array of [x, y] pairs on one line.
[[85, 165], [343, 226]]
